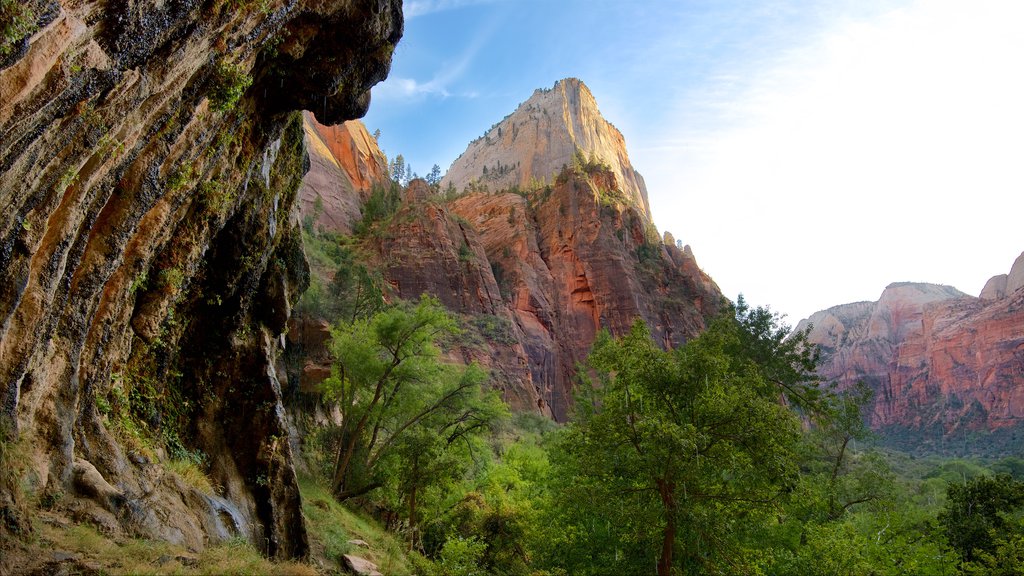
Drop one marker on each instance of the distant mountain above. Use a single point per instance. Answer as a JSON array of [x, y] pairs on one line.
[[537, 265], [544, 134], [947, 368]]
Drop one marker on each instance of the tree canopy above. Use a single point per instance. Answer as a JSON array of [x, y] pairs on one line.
[[670, 451]]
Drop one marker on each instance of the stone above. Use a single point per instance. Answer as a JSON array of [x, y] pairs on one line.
[[552, 271], [89, 482], [1015, 279], [359, 565], [345, 165], [995, 288], [133, 200]]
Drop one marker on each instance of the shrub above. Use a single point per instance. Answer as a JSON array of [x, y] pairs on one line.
[[230, 81], [16, 22]]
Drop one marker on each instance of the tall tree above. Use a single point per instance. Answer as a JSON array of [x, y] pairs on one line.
[[397, 169], [388, 380], [979, 514], [434, 177], [687, 441]]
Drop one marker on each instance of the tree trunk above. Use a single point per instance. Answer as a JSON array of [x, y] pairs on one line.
[[668, 535], [412, 518]]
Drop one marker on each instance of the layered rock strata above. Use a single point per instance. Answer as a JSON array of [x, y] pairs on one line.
[[553, 265], [940, 362], [148, 170], [345, 165]]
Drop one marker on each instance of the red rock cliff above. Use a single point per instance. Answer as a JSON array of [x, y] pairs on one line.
[[557, 263], [937, 359], [345, 164]]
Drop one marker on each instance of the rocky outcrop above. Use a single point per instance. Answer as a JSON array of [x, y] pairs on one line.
[[148, 170], [345, 165], [995, 288], [551, 266], [544, 134], [940, 362], [1015, 279]]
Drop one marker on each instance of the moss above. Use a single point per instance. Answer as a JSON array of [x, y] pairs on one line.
[[172, 278], [68, 178], [16, 22], [216, 197], [229, 82], [182, 178]]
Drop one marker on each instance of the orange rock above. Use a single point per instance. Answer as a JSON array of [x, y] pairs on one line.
[[540, 137], [557, 268], [345, 164]]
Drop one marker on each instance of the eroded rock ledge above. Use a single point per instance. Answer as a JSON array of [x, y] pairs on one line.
[[149, 161]]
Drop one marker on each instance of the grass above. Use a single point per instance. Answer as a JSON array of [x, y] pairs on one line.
[[192, 474], [332, 525], [136, 556]]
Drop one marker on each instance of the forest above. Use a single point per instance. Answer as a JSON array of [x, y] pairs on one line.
[[725, 455]]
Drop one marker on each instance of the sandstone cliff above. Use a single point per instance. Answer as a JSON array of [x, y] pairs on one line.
[[553, 266], [942, 364], [148, 169], [345, 165], [544, 134]]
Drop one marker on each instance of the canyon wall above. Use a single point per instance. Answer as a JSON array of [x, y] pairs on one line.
[[552, 266], [150, 254], [345, 165], [942, 364]]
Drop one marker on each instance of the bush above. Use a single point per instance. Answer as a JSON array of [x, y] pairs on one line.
[[230, 81], [16, 22]]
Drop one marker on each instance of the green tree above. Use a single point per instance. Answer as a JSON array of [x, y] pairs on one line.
[[388, 381], [397, 169], [981, 513], [671, 449], [354, 292], [434, 177]]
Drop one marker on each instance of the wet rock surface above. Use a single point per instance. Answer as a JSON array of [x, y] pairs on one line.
[[149, 168]]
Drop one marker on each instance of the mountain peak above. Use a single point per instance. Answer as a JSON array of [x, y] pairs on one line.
[[543, 134]]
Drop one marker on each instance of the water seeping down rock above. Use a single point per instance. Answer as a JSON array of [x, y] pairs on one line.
[[149, 161]]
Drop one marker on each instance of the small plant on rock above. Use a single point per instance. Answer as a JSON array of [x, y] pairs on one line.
[[229, 82]]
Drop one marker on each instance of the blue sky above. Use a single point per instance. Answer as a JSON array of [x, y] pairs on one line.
[[810, 152]]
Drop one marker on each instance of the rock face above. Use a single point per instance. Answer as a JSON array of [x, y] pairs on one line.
[[148, 170], [550, 267], [345, 164], [544, 134], [941, 362]]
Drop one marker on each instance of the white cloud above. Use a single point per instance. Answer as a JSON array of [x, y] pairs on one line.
[[880, 151], [397, 87]]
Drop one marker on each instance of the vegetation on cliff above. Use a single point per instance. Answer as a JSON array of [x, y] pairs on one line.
[[722, 455]]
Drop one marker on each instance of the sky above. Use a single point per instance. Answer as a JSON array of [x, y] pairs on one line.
[[809, 152]]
